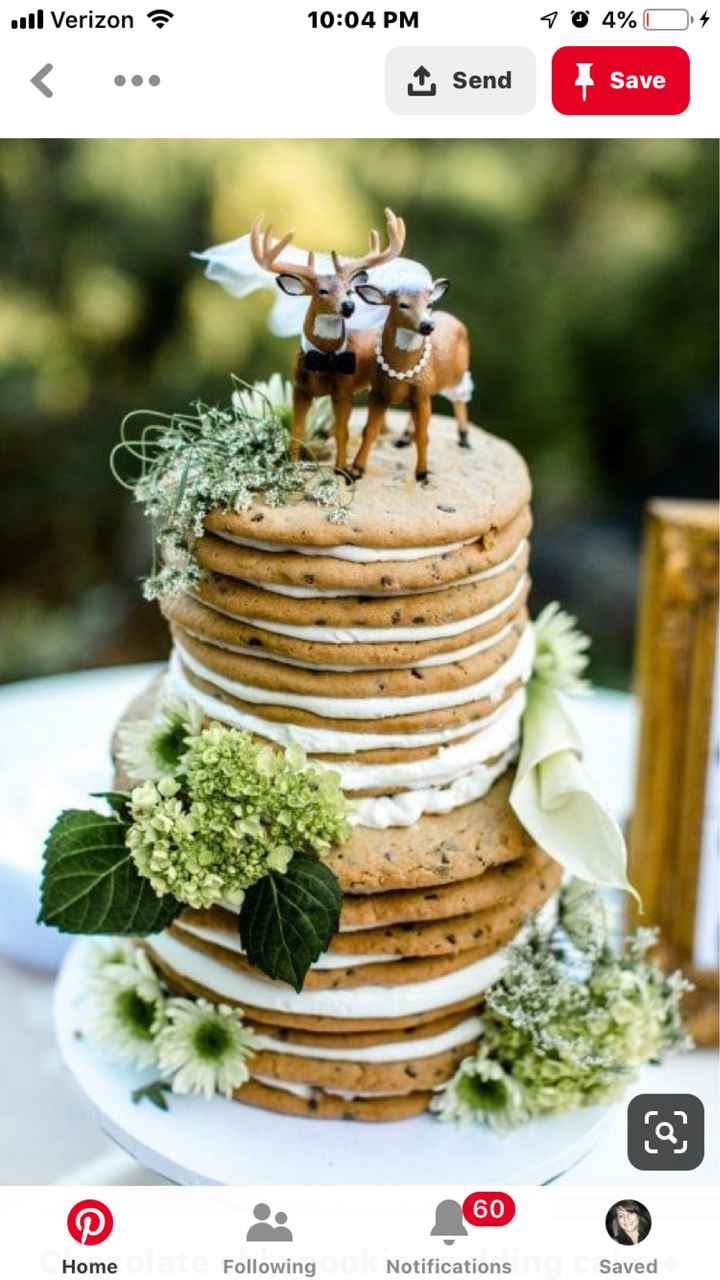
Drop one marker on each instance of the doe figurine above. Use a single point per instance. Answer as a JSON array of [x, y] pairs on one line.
[[419, 354]]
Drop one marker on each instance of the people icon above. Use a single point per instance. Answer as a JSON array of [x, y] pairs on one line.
[[264, 1231], [281, 1231]]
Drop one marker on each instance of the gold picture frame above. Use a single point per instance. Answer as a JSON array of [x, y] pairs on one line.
[[674, 828]]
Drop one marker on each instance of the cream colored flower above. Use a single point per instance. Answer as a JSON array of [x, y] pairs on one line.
[[153, 749], [121, 962], [583, 916], [483, 1090], [560, 650], [276, 394], [204, 1047], [126, 1004]]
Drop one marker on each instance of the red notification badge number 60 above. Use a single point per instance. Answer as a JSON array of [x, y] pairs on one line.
[[488, 1209]]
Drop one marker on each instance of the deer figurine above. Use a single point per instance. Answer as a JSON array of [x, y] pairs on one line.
[[333, 361], [418, 355]]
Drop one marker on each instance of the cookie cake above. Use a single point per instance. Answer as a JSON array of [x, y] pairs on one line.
[[350, 800], [394, 649]]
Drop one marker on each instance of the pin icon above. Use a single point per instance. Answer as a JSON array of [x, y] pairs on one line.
[[90, 1222], [584, 78]]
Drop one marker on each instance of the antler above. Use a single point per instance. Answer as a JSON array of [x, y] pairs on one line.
[[376, 256], [266, 251]]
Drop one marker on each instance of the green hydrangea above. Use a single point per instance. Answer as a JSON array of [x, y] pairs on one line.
[[236, 811], [568, 1025]]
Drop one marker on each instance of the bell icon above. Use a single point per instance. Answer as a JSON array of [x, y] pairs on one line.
[[449, 1221]]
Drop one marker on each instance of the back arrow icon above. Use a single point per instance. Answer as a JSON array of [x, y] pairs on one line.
[[39, 80]]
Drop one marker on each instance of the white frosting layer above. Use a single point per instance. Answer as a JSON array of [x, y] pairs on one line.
[[448, 764], [314, 593], [357, 1002], [307, 1091], [327, 959], [315, 741], [404, 809], [454, 776], [345, 551], [304, 1091], [517, 667], [435, 660], [402, 1051], [380, 635]]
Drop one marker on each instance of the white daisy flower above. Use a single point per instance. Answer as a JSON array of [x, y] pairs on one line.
[[583, 916], [481, 1090], [121, 962], [153, 749], [253, 401], [560, 650], [204, 1047], [277, 395], [110, 951], [126, 1005]]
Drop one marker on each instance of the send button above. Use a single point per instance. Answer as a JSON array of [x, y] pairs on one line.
[[461, 81]]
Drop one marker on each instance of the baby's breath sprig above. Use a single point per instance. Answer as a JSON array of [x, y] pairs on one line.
[[189, 464]]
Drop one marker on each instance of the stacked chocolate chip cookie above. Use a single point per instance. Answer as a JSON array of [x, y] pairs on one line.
[[395, 649]]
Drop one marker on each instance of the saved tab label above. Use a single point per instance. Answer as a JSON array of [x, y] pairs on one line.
[[630, 80]]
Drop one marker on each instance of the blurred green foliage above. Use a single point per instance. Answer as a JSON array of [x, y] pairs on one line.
[[586, 271]]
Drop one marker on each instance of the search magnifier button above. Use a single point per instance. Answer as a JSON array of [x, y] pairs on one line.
[[665, 1132]]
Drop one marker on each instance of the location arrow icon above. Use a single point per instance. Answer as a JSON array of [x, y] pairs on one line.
[[550, 18], [39, 80]]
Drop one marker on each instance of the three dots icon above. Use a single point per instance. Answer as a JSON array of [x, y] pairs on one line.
[[136, 81]]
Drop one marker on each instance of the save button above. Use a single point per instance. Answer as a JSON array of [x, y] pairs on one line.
[[603, 80]]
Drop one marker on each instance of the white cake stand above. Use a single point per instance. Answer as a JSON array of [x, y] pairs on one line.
[[223, 1143]]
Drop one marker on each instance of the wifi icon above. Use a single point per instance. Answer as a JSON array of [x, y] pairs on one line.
[[160, 17]]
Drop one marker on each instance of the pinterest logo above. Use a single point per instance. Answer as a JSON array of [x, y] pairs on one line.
[[90, 1222]]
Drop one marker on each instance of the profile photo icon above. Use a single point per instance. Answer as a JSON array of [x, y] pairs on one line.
[[628, 1222]]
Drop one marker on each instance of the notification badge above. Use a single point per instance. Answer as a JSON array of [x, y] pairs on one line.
[[629, 80], [90, 1222], [488, 1209]]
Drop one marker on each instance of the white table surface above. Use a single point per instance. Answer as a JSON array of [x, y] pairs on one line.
[[56, 734]]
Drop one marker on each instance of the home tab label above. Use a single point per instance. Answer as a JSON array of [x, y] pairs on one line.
[[632, 80]]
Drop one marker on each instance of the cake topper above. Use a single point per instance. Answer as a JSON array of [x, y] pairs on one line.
[[418, 355], [331, 361], [337, 306]]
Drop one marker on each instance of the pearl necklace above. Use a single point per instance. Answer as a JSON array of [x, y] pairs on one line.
[[410, 373]]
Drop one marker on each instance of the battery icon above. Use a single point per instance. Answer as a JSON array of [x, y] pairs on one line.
[[666, 19]]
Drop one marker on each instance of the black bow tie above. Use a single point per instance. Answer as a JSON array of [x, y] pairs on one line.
[[330, 362]]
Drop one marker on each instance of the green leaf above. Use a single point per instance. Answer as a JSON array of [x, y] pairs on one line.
[[90, 882], [118, 801], [288, 920], [153, 1092]]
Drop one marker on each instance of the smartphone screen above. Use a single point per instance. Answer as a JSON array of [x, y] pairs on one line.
[[359, 640]]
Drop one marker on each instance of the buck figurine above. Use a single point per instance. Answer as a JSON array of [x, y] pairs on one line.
[[333, 360], [418, 355]]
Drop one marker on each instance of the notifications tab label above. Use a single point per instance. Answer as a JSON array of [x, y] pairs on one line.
[[632, 80]]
